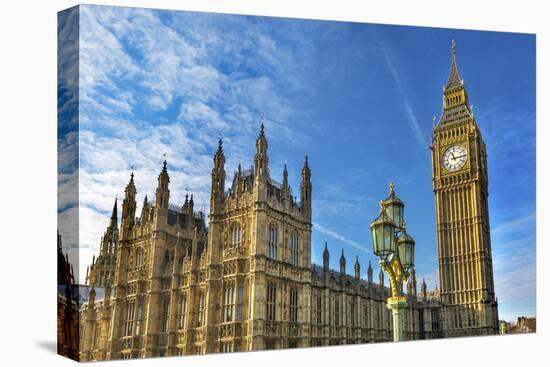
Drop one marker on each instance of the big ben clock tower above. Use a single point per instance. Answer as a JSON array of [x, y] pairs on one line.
[[460, 183]]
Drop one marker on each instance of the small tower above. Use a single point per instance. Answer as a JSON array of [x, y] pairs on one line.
[[285, 187], [305, 191], [357, 268], [144, 217], [218, 181], [113, 223], [129, 206], [369, 275], [163, 193], [91, 297], [343, 263], [411, 283], [381, 278], [261, 161], [326, 255], [424, 289]]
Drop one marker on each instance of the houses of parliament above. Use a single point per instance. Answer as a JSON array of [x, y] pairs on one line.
[[174, 282]]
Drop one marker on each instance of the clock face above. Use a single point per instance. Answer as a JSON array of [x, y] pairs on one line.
[[454, 158]]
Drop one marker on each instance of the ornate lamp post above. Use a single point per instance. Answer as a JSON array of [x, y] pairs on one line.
[[395, 248]]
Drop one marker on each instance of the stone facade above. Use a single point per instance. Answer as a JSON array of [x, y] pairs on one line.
[[460, 183], [174, 288]]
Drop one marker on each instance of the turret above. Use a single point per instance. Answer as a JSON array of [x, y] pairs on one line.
[[191, 205], [91, 298], [357, 268], [129, 206], [285, 187], [326, 255], [424, 289], [369, 274], [305, 191], [113, 223], [343, 263], [163, 193], [381, 278], [261, 161], [411, 283], [218, 181], [144, 211]]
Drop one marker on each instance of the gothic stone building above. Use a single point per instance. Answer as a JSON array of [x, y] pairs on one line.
[[172, 286]]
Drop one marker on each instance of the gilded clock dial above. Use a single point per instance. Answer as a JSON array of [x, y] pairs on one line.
[[454, 158]]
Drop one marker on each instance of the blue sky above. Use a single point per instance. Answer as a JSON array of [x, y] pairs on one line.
[[357, 98]]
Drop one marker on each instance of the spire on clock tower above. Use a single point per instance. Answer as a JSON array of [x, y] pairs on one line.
[[455, 97], [454, 79]]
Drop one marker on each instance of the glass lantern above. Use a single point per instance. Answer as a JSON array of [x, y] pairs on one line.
[[405, 251], [395, 208], [383, 235]]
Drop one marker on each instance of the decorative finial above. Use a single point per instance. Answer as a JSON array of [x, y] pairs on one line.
[[392, 188], [261, 124], [453, 46]]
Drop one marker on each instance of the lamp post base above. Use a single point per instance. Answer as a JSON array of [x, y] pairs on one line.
[[397, 304]]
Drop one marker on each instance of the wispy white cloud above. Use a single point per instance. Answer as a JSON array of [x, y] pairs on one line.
[[338, 236], [411, 116]]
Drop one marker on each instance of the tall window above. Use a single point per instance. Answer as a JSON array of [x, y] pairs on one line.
[[271, 293], [236, 235], [182, 312], [95, 337], [240, 303], [139, 317], [272, 242], [201, 309], [336, 312], [365, 316], [228, 303], [435, 320], [129, 323], [293, 305], [352, 314], [318, 310], [164, 316], [294, 248], [139, 258]]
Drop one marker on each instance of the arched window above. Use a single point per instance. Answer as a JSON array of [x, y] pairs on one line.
[[236, 235], [272, 242], [294, 248], [139, 258]]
